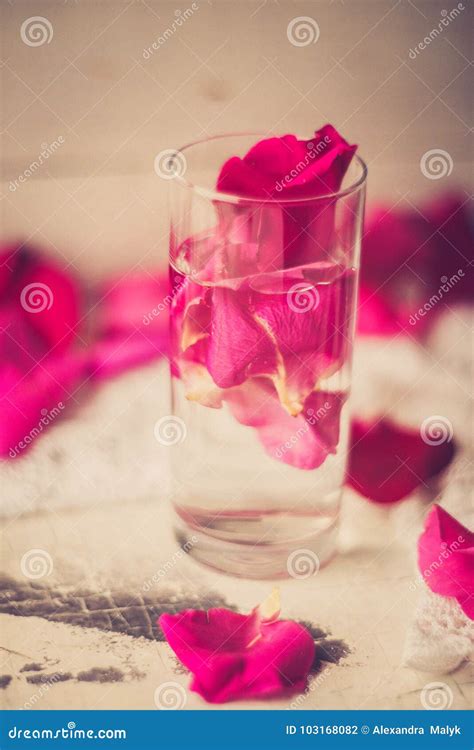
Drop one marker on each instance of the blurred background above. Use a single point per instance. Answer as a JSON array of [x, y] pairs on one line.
[[95, 82]]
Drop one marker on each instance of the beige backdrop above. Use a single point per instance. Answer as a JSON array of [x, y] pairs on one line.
[[229, 67]]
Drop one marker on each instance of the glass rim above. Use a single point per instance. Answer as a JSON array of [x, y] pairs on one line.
[[225, 197]]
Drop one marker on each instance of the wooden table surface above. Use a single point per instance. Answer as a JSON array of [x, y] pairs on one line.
[[101, 529], [362, 601]]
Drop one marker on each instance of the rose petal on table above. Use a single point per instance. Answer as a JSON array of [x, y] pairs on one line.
[[234, 656], [451, 216], [40, 295], [9, 260], [138, 300], [446, 558], [27, 398], [131, 323], [114, 355], [415, 263], [50, 298], [376, 318], [388, 462], [20, 344], [396, 272], [39, 368]]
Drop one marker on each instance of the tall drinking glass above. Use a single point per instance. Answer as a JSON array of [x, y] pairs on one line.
[[262, 325]]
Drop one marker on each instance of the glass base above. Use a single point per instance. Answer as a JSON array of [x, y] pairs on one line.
[[299, 557]]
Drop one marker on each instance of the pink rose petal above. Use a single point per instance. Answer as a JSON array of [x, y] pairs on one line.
[[117, 354], [452, 217], [27, 398], [261, 331], [235, 656], [310, 342], [132, 321], [262, 172], [55, 320], [286, 168], [238, 346], [41, 314], [137, 300], [304, 441], [39, 317], [446, 558]]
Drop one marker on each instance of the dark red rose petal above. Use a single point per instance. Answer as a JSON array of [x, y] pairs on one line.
[[388, 462]]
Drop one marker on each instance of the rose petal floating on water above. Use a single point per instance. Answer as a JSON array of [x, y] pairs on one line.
[[252, 333], [304, 441]]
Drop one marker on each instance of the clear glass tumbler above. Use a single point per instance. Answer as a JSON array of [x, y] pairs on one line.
[[262, 325]]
